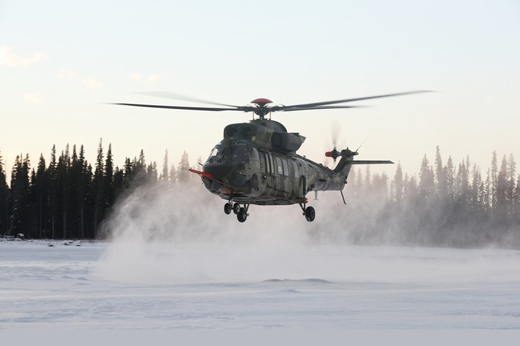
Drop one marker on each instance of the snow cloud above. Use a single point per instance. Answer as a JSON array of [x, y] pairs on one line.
[[33, 98], [9, 57]]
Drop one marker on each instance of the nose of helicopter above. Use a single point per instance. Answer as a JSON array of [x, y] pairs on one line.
[[218, 170]]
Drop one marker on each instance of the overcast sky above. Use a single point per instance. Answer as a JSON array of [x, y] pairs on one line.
[[62, 61]]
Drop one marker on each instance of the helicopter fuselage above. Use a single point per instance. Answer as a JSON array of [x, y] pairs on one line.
[[256, 163]]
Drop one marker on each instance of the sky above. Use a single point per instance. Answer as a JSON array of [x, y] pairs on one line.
[[63, 62]]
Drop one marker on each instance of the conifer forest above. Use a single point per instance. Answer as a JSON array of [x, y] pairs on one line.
[[446, 204]]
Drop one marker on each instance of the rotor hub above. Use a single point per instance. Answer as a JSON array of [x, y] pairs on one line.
[[262, 102], [261, 110]]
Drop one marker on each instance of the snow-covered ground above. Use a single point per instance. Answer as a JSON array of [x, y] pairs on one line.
[[120, 285]]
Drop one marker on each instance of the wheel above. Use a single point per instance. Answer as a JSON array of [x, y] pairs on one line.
[[227, 208], [310, 214], [236, 208], [242, 215]]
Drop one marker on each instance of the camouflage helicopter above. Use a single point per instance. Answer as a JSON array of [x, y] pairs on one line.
[[256, 162]]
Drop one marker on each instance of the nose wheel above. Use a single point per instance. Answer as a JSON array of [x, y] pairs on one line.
[[242, 215], [227, 208]]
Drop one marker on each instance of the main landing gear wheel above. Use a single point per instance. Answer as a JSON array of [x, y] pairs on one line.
[[310, 214], [227, 208], [242, 215], [236, 208]]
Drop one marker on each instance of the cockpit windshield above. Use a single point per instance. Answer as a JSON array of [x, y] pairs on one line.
[[239, 152], [217, 151]]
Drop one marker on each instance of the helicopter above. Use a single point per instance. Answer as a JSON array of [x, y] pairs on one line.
[[256, 163]]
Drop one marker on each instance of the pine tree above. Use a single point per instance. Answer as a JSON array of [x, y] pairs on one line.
[[426, 180], [173, 177], [398, 184], [20, 217], [450, 180], [501, 187], [128, 173], [474, 194], [109, 179], [440, 176], [4, 199], [501, 211], [139, 170], [63, 189], [510, 190], [183, 175], [52, 192], [40, 189], [164, 175], [494, 179], [119, 183], [516, 210], [151, 173], [98, 185]]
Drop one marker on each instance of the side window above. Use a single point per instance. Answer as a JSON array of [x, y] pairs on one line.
[[265, 162], [255, 158], [271, 163], [254, 154], [296, 171], [279, 165], [285, 168]]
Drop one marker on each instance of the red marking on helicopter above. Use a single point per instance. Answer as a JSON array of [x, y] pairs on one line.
[[206, 175]]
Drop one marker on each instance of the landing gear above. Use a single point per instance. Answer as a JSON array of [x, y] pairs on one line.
[[241, 212], [308, 212], [242, 215], [227, 208]]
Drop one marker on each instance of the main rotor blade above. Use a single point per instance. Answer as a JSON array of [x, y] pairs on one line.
[[243, 109], [281, 108], [169, 95], [317, 104]]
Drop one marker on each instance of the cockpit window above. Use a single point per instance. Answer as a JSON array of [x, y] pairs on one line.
[[254, 154], [217, 151], [239, 153]]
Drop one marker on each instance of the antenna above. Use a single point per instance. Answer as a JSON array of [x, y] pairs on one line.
[[362, 144]]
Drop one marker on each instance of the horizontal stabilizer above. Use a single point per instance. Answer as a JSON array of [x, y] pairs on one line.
[[370, 162]]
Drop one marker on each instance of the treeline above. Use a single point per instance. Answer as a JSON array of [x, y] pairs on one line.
[[69, 197], [445, 204]]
